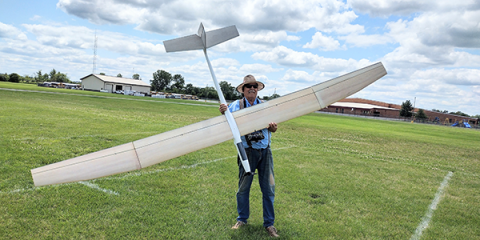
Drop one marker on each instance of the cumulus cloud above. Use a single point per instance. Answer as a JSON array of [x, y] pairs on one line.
[[290, 58], [181, 17], [385, 8], [257, 68], [72, 46], [436, 36], [230, 70], [363, 40], [457, 29], [79, 37], [325, 43], [104, 12], [436, 40], [460, 76], [9, 31], [298, 76]]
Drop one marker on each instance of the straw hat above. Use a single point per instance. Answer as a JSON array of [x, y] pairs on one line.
[[249, 79]]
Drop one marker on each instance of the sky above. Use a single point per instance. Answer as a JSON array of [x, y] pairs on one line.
[[430, 48]]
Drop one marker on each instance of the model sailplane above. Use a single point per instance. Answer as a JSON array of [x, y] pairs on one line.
[[164, 146]]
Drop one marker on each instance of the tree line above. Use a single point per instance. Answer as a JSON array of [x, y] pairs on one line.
[[38, 77], [406, 111], [164, 81]]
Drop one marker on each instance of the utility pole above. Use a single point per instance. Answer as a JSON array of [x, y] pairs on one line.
[[413, 111], [95, 54]]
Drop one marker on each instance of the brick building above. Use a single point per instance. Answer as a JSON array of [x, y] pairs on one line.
[[359, 106]]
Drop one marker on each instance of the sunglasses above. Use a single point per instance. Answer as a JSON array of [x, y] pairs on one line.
[[249, 86]]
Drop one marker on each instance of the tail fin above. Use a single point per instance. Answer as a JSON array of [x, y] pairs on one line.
[[201, 40]]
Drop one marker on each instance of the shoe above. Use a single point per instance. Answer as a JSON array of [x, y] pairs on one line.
[[272, 231], [238, 225]]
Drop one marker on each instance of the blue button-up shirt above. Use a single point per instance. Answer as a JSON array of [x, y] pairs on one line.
[[262, 144]]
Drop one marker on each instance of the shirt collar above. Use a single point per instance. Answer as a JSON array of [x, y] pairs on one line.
[[248, 103]]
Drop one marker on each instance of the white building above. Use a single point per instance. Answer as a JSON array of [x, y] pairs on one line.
[[96, 82]]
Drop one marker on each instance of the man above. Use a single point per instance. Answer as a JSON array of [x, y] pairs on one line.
[[257, 147]]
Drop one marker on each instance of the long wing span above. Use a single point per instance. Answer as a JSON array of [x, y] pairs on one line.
[[159, 148], [201, 40]]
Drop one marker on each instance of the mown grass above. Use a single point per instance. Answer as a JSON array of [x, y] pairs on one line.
[[337, 177]]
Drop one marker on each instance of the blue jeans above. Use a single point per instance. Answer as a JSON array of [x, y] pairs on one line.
[[261, 160]]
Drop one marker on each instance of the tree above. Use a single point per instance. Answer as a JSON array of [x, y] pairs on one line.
[[40, 77], [28, 79], [4, 77], [274, 96], [161, 80], [208, 92], [52, 75], [136, 76], [102, 74], [421, 115], [190, 89], [229, 91], [14, 77], [62, 77], [271, 97], [406, 109], [119, 75], [178, 83], [460, 113]]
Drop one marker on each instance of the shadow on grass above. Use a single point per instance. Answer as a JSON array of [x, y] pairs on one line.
[[256, 231]]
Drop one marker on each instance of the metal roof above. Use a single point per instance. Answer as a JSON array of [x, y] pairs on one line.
[[359, 105], [125, 81]]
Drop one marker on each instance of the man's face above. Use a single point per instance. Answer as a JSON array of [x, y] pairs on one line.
[[250, 91]]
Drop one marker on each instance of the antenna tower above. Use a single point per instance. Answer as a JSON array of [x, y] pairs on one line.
[[95, 54]]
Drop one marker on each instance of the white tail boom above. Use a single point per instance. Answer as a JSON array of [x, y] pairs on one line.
[[204, 40]]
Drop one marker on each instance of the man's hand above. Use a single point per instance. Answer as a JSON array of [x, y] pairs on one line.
[[223, 108], [272, 127]]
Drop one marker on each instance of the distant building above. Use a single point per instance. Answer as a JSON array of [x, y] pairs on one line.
[[96, 82], [359, 106]]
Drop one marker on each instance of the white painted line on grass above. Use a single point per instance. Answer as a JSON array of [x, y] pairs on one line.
[[17, 190], [95, 186], [433, 206]]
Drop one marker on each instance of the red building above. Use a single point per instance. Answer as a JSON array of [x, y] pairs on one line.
[[359, 106]]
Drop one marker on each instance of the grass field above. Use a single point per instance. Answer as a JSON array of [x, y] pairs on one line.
[[336, 177]]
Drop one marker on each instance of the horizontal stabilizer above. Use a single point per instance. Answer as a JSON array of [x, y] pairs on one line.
[[187, 43], [217, 36], [195, 41], [162, 147]]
